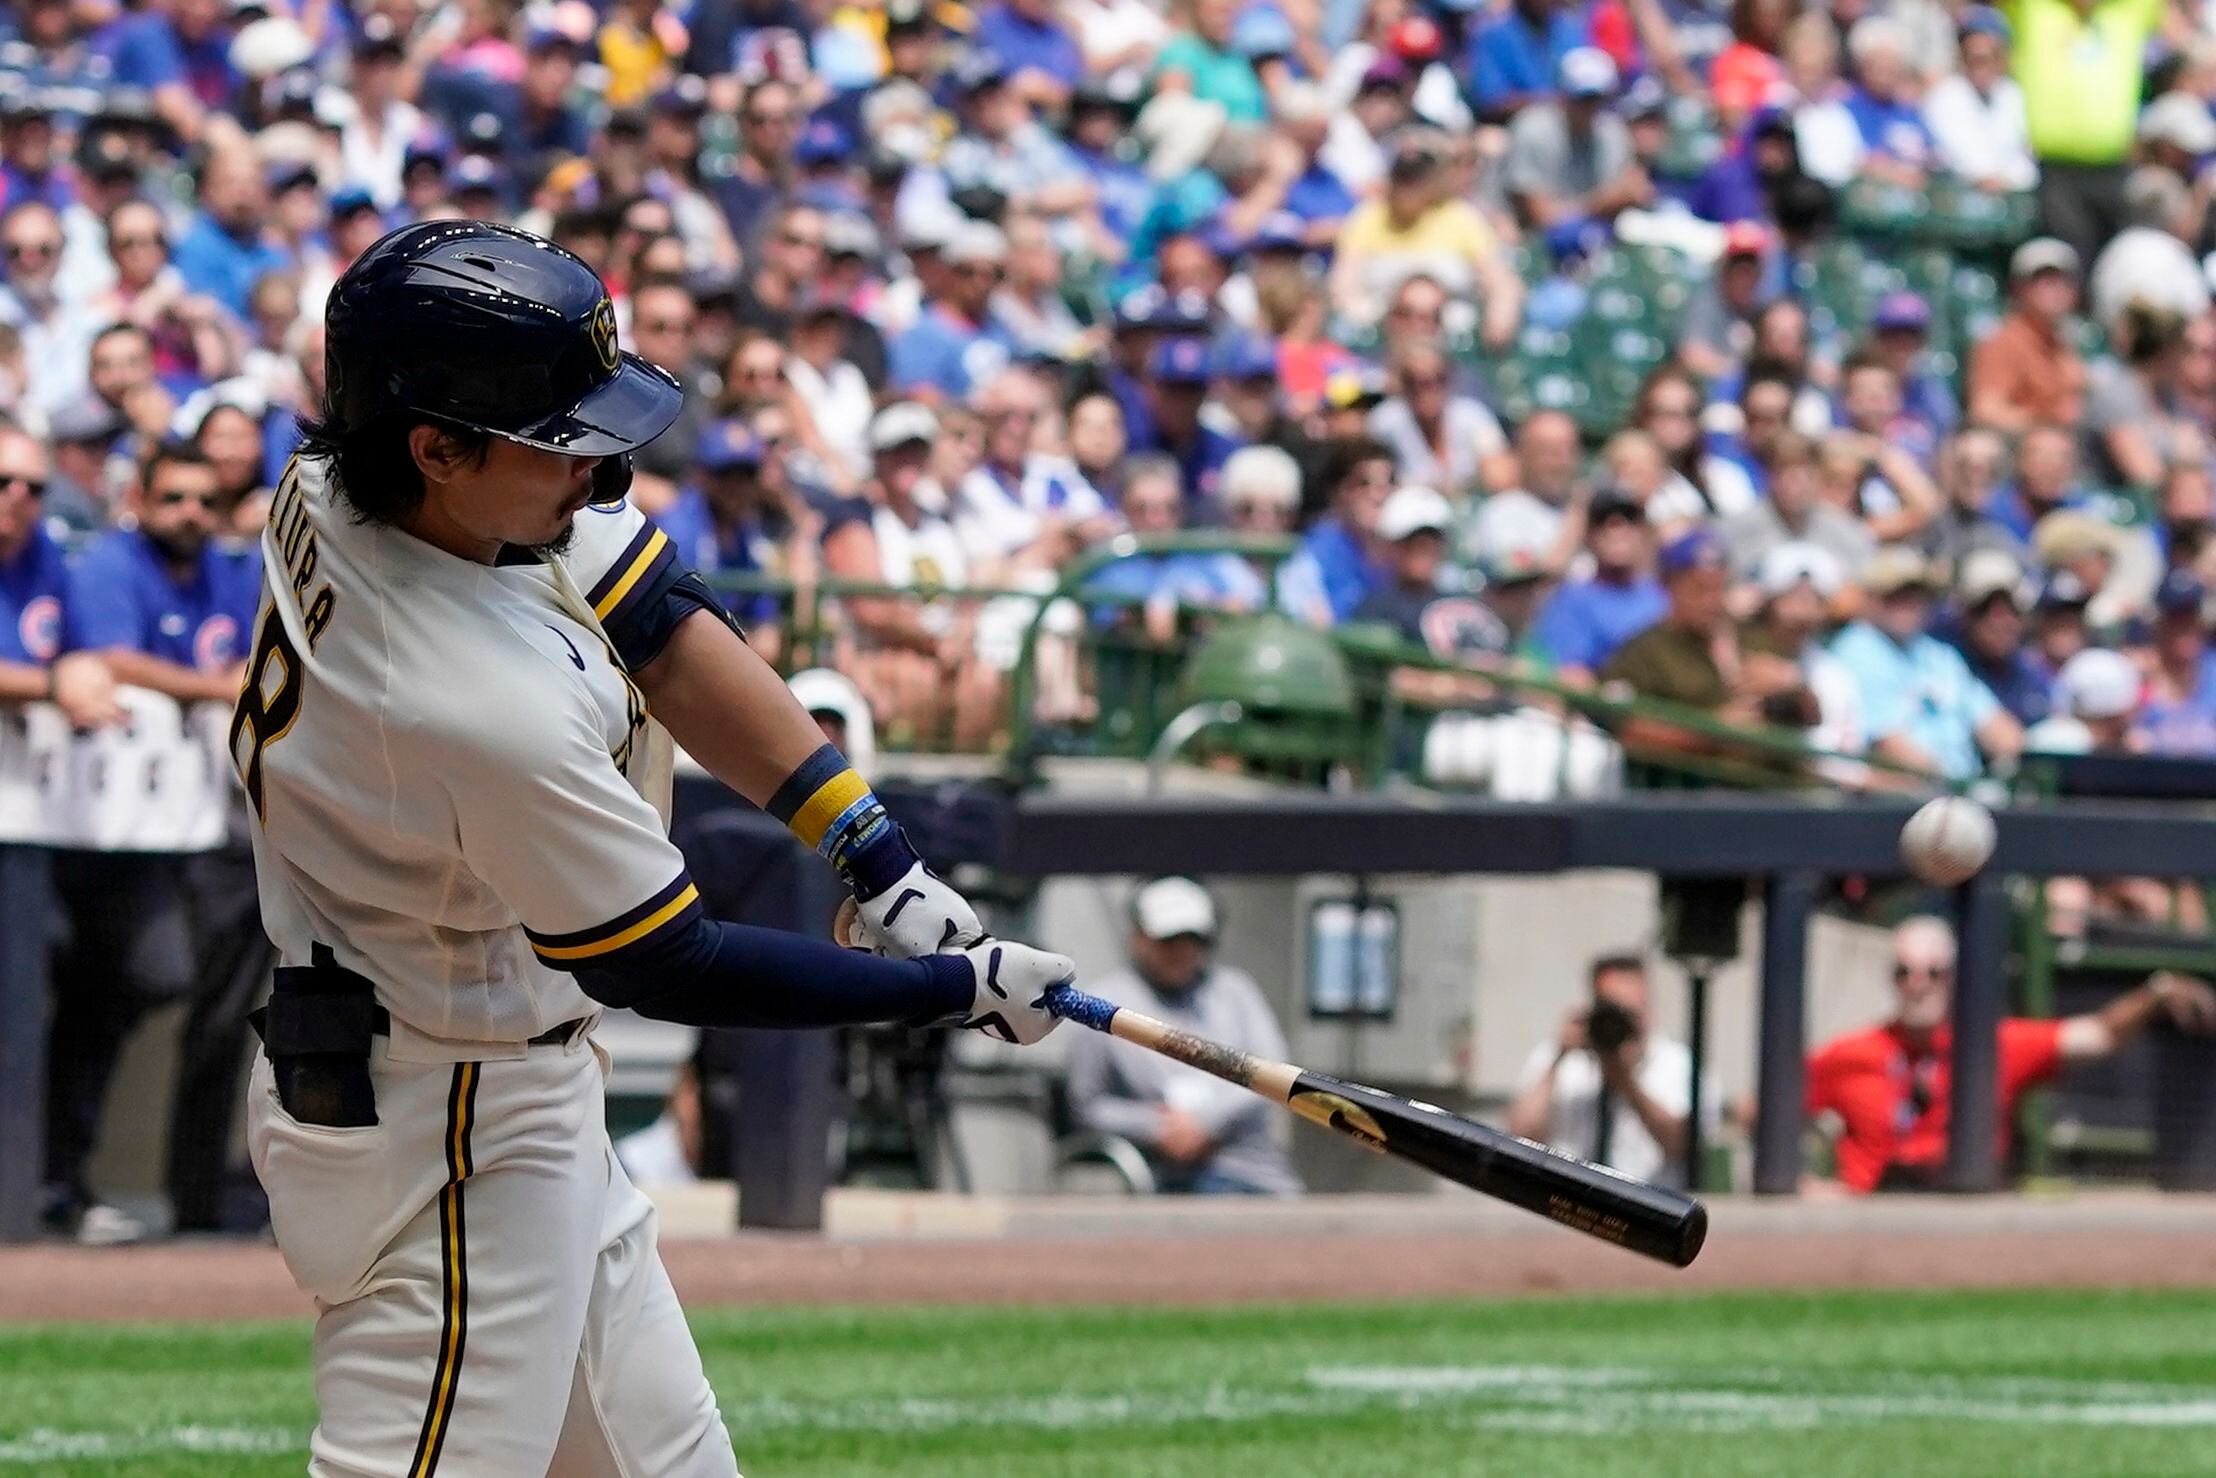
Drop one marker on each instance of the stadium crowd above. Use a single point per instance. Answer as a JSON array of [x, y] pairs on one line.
[[961, 291], [1602, 340]]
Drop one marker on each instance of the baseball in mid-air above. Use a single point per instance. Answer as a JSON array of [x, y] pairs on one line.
[[1948, 840]]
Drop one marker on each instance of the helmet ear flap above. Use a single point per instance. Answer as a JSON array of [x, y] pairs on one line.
[[611, 479]]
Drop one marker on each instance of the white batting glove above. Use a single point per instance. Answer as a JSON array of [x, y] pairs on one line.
[[919, 915], [1010, 990]]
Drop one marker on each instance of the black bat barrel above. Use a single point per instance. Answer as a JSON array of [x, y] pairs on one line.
[[1584, 1197]]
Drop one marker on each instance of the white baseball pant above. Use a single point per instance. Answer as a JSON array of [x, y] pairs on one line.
[[489, 1300]]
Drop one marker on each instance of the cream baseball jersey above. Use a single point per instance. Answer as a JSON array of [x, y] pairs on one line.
[[457, 787]]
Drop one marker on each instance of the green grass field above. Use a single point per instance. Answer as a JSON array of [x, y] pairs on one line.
[[2075, 1385]]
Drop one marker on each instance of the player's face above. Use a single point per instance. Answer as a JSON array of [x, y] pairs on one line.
[[517, 495]]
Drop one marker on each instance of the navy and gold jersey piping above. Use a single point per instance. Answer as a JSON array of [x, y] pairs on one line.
[[673, 907]]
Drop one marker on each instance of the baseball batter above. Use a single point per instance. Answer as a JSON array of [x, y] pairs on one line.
[[454, 733]]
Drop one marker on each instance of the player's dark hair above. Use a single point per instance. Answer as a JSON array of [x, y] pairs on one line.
[[1615, 965], [372, 468]]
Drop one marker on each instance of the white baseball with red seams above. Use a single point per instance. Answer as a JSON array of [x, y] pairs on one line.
[[1948, 840]]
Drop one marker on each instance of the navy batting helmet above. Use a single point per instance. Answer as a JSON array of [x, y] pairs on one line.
[[494, 329]]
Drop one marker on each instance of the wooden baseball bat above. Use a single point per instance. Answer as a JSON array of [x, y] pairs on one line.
[[1584, 1197]]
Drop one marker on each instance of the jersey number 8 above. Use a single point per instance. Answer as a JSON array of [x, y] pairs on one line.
[[268, 702]]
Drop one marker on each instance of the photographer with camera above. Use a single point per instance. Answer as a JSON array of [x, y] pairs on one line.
[[1609, 1089]]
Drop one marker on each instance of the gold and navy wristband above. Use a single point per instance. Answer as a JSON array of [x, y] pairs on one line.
[[832, 809]]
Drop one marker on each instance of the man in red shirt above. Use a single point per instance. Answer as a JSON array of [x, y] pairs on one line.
[[1889, 1084]]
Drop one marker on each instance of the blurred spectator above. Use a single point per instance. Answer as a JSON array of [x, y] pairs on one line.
[[1977, 113], [955, 343], [769, 121], [1827, 138], [1783, 664], [1747, 73], [1515, 56], [1414, 526], [1201, 1135], [1668, 409], [1440, 436], [1690, 656], [2178, 716], [56, 335], [2096, 707], [167, 608], [1897, 146], [832, 390], [1547, 491], [663, 324], [34, 592], [1588, 620], [2081, 63], [2151, 262], [229, 246], [1921, 704], [1019, 507], [1177, 380], [2059, 629], [1417, 224], [1795, 512], [1165, 584], [2046, 480], [2027, 370], [2135, 422], [1992, 598], [1094, 430], [1340, 561], [1719, 321], [1900, 334], [1202, 58], [1610, 1088], [1570, 159], [720, 522], [1890, 1086], [1972, 465]]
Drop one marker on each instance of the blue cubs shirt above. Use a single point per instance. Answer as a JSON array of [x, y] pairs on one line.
[[121, 595], [34, 587]]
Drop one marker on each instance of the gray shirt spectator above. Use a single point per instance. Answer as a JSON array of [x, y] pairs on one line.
[[1201, 1134]]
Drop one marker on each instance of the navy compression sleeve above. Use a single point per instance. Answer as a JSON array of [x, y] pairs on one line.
[[710, 973]]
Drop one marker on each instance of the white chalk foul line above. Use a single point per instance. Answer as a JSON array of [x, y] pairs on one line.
[[1534, 1399]]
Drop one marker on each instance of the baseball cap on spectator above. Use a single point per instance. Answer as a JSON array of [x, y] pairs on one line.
[[1986, 573], [474, 174], [1386, 74], [1413, 510], [1984, 20], [823, 141], [1645, 98], [1610, 503], [288, 174], [928, 225], [2067, 534], [908, 15], [687, 97], [1280, 231], [1262, 31], [1896, 568], [1250, 356], [2098, 683], [1185, 312], [1416, 39], [975, 241], [1901, 311], [545, 38], [378, 36], [104, 157], [1139, 307], [1515, 542], [1260, 474], [352, 200], [1354, 387], [1797, 562], [21, 103], [846, 234], [2042, 254], [1174, 908], [428, 150], [2181, 593], [726, 446], [980, 71], [1696, 549], [269, 46], [2063, 591], [627, 123], [902, 423], [85, 419], [1746, 239], [1586, 72], [2180, 120], [1179, 362]]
